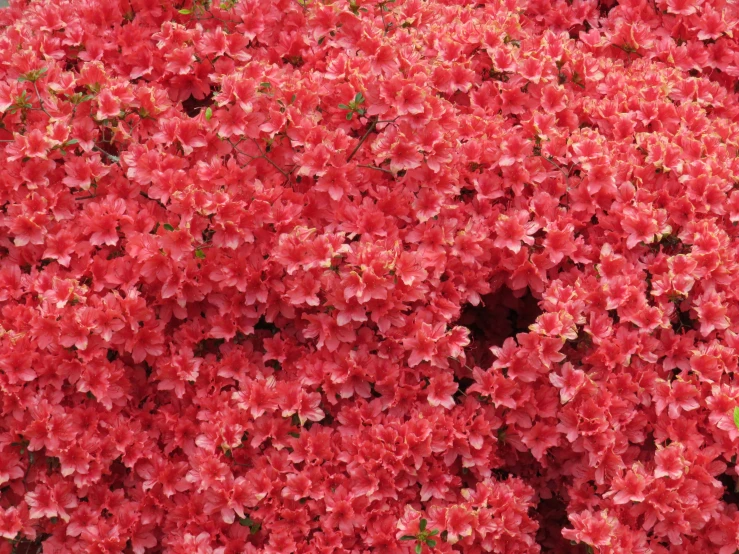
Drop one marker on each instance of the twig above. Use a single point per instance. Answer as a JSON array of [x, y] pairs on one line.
[[142, 193], [463, 365], [262, 155], [41, 102], [361, 142], [555, 164], [377, 169], [273, 164], [277, 167], [235, 147], [110, 156]]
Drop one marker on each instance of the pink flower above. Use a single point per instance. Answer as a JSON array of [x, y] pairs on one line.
[[511, 231], [441, 391]]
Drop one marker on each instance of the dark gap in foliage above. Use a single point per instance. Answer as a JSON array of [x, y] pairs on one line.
[[499, 316], [551, 513], [681, 321], [192, 106], [731, 489]]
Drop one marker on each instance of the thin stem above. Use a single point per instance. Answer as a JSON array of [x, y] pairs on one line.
[[277, 167], [41, 102], [235, 147], [555, 164], [377, 169], [142, 193], [361, 142], [109, 156], [273, 164]]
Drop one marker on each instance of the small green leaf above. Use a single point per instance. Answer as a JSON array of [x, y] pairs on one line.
[[344, 107], [736, 416], [422, 525], [349, 116], [431, 543], [72, 141], [184, 11], [358, 99], [434, 532], [208, 114], [407, 538], [199, 254], [419, 547], [168, 227]]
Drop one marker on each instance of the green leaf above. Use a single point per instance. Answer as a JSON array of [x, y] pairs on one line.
[[246, 522], [419, 547], [72, 141], [358, 99], [349, 116], [184, 11], [431, 543], [208, 114], [199, 254], [168, 227], [422, 525], [344, 107], [736, 416], [434, 532], [407, 538]]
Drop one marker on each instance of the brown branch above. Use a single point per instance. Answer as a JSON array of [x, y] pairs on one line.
[[377, 169], [364, 138], [41, 102]]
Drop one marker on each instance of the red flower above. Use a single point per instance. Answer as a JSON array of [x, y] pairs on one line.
[[441, 390]]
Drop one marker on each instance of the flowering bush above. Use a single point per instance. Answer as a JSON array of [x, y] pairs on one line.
[[376, 276]]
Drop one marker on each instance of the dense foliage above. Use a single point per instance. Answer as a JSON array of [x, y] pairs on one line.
[[315, 276]]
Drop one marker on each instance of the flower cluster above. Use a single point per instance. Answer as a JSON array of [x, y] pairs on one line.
[[369, 276]]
